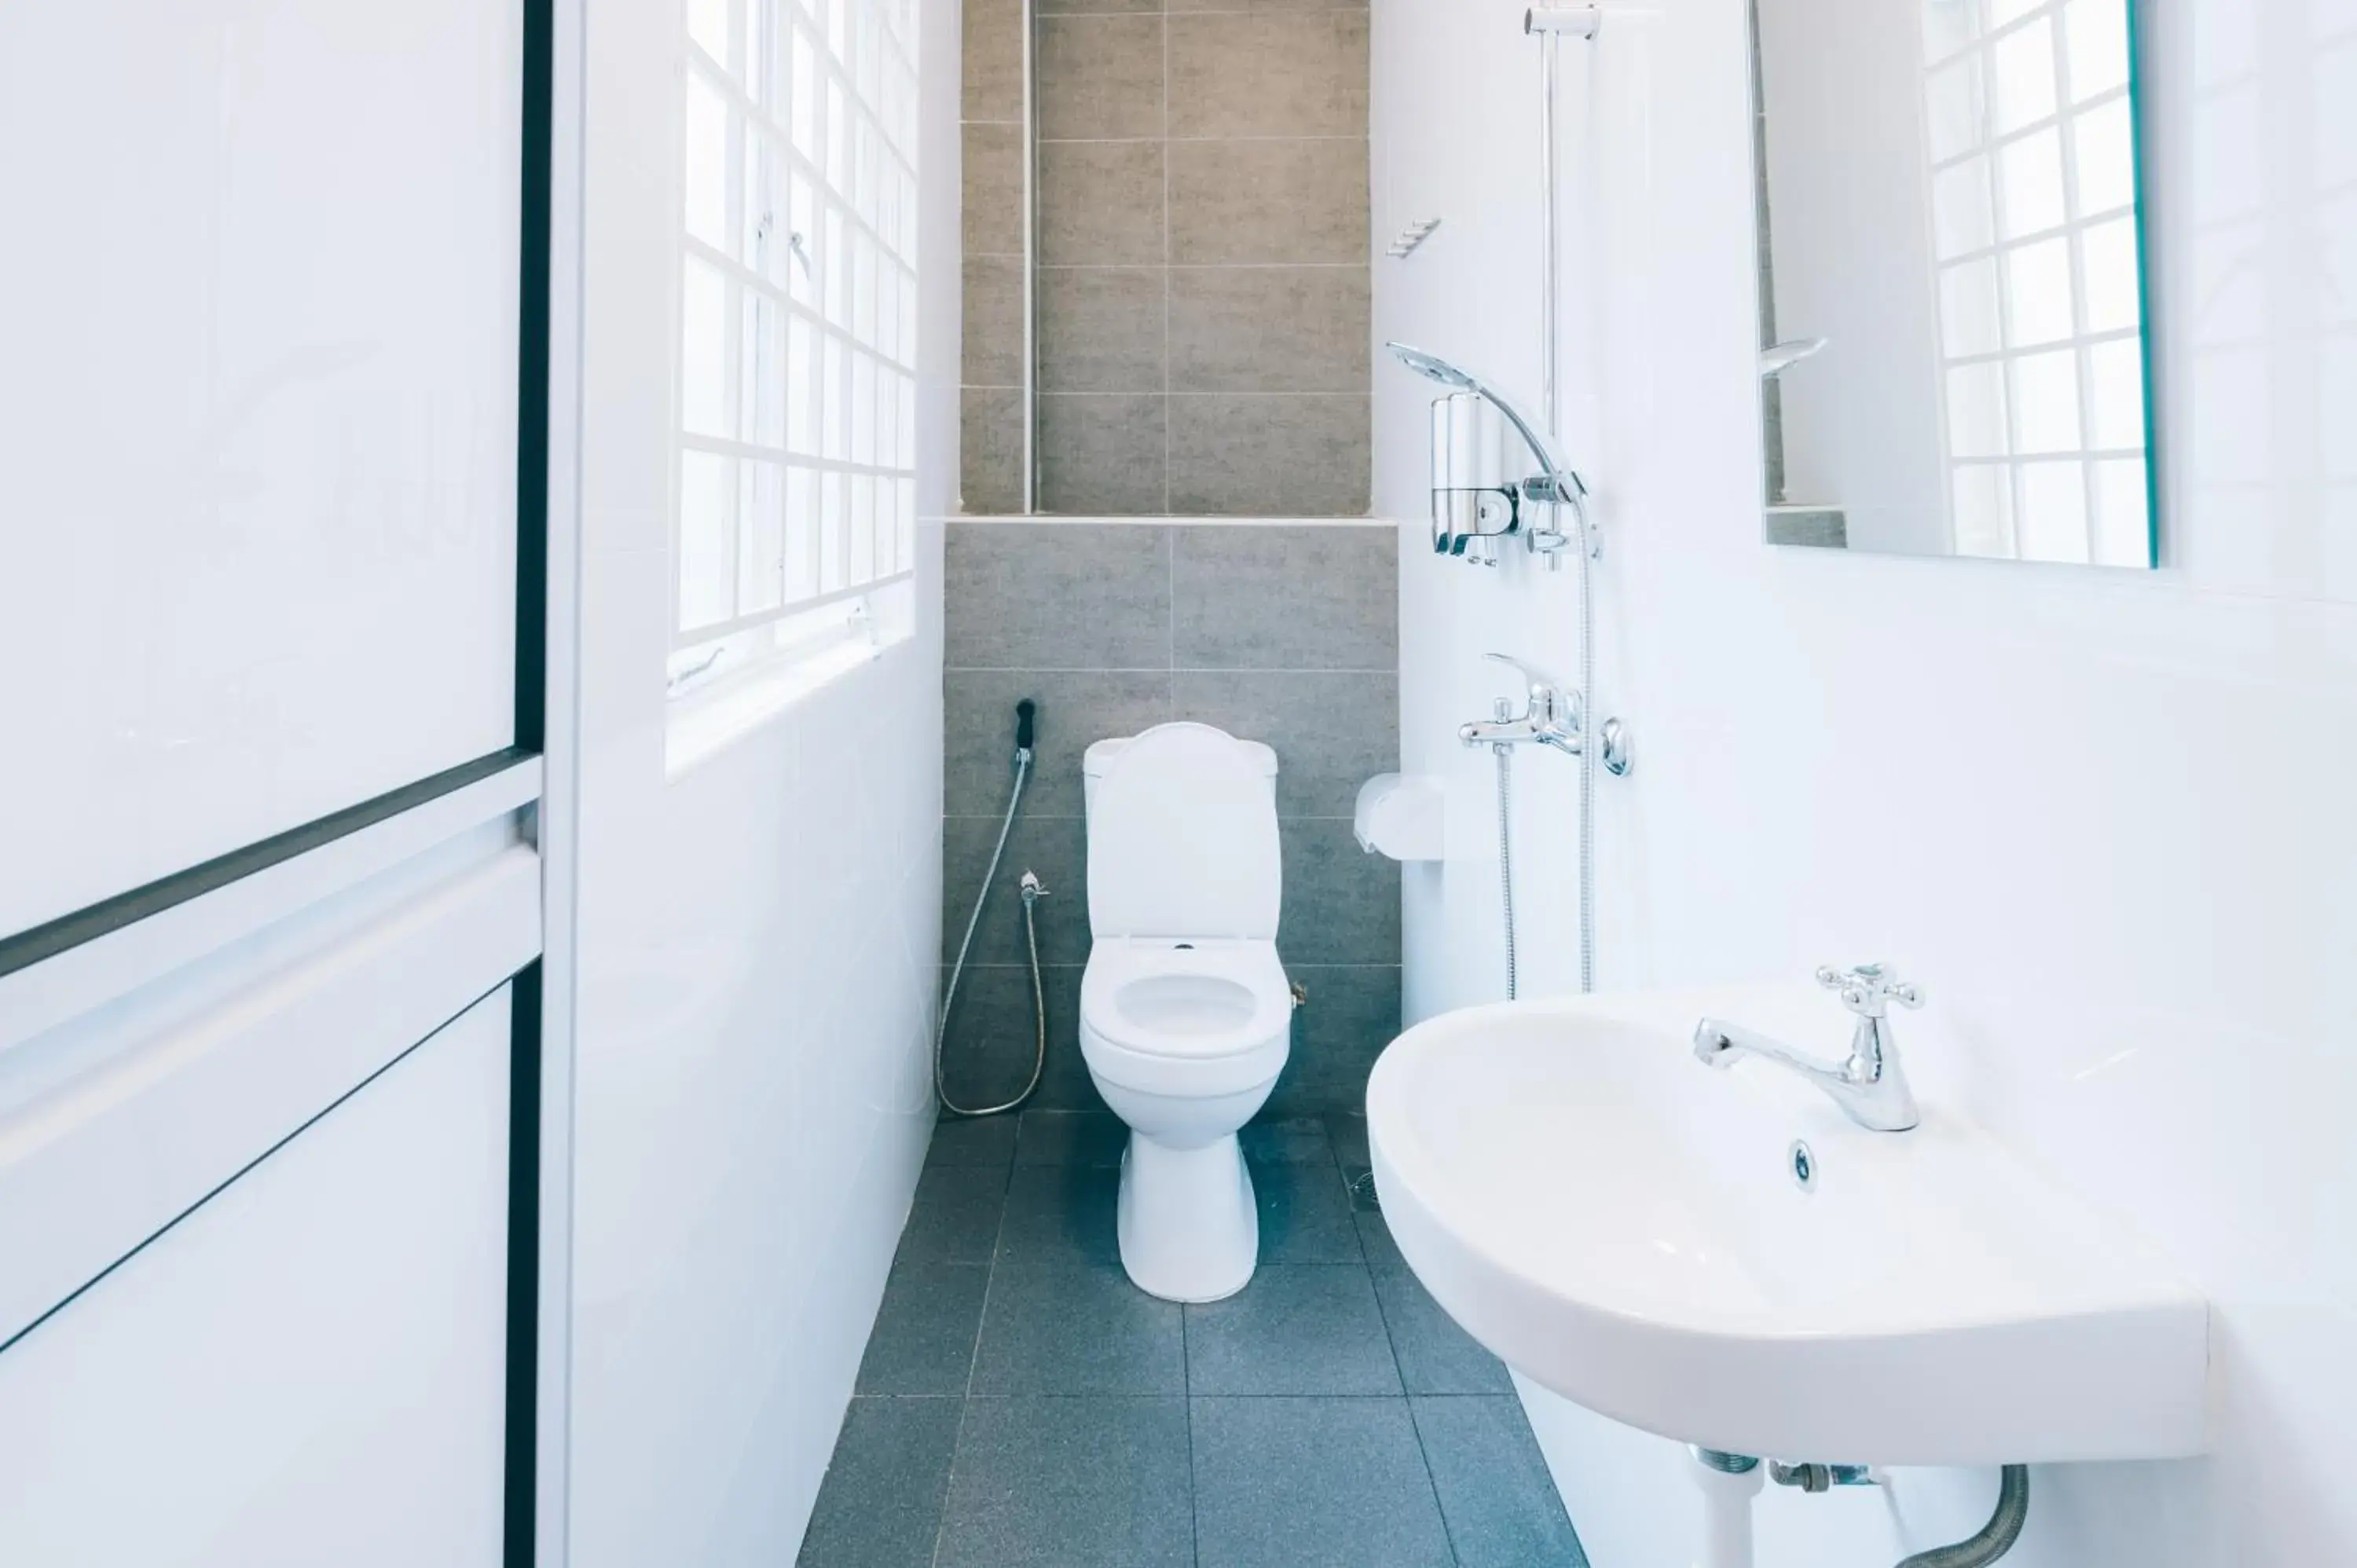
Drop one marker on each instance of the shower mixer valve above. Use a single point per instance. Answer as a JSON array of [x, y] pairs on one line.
[[1552, 715]]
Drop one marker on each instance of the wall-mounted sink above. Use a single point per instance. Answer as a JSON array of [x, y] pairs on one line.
[[1626, 1228]]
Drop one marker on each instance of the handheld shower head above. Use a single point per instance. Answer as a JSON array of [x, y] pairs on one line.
[[1564, 484]]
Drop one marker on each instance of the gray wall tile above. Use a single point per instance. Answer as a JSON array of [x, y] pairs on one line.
[[993, 345], [1104, 455], [994, 61], [1266, 201], [1099, 77], [1300, 456], [1074, 709], [1100, 329], [1052, 846], [1341, 904], [1179, 5], [988, 1051], [990, 449], [992, 168], [1333, 730], [1353, 1012], [1263, 329], [1098, 7], [1101, 204], [1298, 74], [1069, 596], [1284, 599]]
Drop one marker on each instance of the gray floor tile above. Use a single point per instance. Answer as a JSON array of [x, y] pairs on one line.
[[954, 1218], [1304, 1214], [1496, 1496], [1290, 1140], [1060, 1214], [1376, 1239], [1312, 1483], [1071, 1138], [964, 1141], [1297, 1328], [924, 1334], [1071, 1483], [1065, 1329], [1435, 1356], [880, 1505]]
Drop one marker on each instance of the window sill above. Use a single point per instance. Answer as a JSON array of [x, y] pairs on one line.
[[709, 719]]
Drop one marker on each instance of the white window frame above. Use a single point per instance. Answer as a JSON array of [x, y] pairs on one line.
[[816, 264]]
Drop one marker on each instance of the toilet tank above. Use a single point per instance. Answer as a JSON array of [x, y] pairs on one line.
[[1182, 834]]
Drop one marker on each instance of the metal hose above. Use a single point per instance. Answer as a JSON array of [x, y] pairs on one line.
[[1031, 893], [1506, 861], [1589, 743], [1996, 1538]]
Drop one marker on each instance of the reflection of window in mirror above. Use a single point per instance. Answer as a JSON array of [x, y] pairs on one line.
[[1950, 303]]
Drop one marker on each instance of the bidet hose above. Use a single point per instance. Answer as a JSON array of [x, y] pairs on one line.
[[1996, 1538], [1032, 894], [1506, 861], [1589, 741]]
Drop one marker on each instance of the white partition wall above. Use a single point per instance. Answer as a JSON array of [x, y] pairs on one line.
[[258, 420], [277, 521]]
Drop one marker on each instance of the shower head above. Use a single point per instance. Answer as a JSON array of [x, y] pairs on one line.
[[1778, 358], [1432, 366]]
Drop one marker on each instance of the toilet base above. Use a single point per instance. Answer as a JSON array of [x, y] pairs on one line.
[[1189, 1228]]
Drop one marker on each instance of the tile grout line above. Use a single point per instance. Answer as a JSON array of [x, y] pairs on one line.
[[1166, 251]]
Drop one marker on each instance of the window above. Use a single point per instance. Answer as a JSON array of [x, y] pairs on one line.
[[2031, 142], [795, 495]]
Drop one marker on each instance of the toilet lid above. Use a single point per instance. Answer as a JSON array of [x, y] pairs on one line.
[[1157, 997], [1182, 836]]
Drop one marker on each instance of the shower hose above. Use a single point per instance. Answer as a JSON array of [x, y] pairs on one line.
[[1032, 894]]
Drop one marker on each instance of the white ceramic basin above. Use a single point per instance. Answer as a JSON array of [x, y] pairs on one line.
[[1621, 1224]]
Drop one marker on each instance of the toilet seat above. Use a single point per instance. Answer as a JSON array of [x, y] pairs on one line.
[[1185, 1015]]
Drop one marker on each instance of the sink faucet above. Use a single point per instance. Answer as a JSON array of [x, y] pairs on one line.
[[1870, 1087], [1551, 716]]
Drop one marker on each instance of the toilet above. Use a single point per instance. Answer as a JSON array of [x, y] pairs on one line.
[[1185, 1012]]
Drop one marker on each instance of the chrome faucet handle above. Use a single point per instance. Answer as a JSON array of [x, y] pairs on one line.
[[1549, 703], [1869, 989]]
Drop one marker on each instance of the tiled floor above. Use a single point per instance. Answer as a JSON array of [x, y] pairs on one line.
[[1022, 1405]]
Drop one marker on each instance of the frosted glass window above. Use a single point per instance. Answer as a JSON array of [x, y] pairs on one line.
[[797, 268], [707, 162], [2115, 395], [1984, 502], [1960, 208], [2038, 281], [2052, 522], [2031, 172], [707, 526], [2022, 71], [2004, 13], [2114, 296], [1977, 404], [761, 540], [2106, 148], [1952, 110], [2096, 35], [704, 352], [2046, 402]]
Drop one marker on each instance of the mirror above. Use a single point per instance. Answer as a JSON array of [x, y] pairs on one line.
[[1953, 350]]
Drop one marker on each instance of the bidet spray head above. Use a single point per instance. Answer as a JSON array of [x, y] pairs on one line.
[[1024, 713]]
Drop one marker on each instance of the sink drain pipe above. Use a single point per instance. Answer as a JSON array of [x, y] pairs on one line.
[[1730, 1481]]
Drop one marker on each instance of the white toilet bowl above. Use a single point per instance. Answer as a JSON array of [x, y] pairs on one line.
[[1185, 1012]]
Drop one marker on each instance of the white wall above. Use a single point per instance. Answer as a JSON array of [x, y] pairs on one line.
[[757, 934], [2103, 816]]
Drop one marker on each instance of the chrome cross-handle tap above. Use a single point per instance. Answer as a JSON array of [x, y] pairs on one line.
[[1550, 715], [1869, 1086]]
